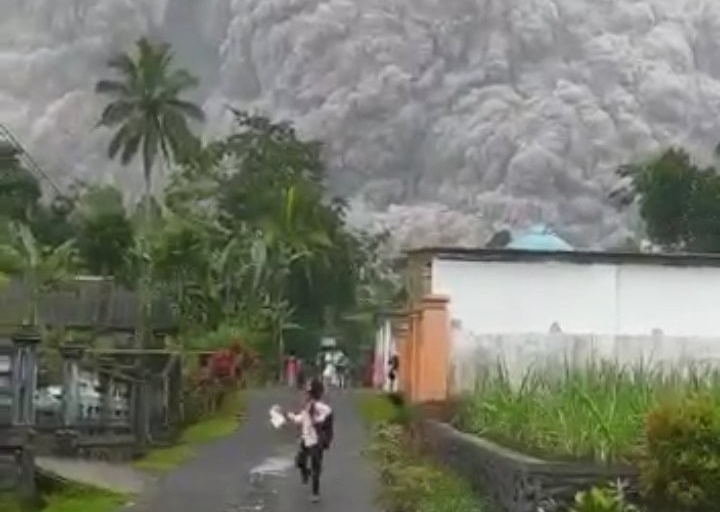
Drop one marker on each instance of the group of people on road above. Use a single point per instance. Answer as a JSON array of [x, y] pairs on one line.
[[335, 366], [331, 368]]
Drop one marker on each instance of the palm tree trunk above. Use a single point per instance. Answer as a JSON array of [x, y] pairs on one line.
[[34, 300], [144, 285]]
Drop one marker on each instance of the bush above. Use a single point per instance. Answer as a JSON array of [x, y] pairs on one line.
[[409, 482], [413, 484], [603, 499], [449, 494], [376, 408], [680, 470]]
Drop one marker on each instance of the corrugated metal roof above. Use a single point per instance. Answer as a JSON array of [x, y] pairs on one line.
[[85, 303]]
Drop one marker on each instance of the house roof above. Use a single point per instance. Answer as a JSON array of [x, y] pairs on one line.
[[539, 238], [84, 303], [577, 257]]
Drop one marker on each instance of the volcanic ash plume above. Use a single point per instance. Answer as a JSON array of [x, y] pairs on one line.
[[443, 119]]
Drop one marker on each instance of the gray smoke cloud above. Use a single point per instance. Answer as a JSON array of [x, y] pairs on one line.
[[443, 119]]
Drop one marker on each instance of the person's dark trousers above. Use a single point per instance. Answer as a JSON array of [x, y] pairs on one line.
[[309, 461]]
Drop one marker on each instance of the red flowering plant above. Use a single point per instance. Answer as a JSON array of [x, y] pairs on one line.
[[225, 370], [247, 362], [223, 366]]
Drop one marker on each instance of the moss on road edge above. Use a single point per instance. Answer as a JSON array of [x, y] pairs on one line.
[[410, 481], [218, 426]]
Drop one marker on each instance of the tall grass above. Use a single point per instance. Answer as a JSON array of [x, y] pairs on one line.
[[593, 413], [409, 480]]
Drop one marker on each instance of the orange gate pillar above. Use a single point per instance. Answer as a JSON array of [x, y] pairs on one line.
[[433, 350]]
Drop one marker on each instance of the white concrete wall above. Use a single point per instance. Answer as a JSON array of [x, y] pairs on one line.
[[681, 301], [383, 350], [529, 314]]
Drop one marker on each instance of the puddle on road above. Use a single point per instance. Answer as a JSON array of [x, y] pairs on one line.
[[273, 466], [262, 496]]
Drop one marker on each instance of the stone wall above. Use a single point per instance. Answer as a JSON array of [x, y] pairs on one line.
[[515, 482], [109, 447]]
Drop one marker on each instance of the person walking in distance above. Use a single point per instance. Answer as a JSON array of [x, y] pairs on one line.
[[341, 364], [316, 434], [291, 370], [329, 373], [301, 374], [394, 366]]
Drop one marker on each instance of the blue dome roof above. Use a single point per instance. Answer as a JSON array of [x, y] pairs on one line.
[[539, 238]]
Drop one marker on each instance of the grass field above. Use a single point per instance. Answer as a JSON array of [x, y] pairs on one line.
[[69, 498], [84, 499]]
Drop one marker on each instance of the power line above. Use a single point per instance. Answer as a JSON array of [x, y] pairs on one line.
[[26, 159]]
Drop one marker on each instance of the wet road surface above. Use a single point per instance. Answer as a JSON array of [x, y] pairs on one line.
[[253, 469]]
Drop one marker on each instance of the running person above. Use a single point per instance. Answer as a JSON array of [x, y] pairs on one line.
[[315, 420]]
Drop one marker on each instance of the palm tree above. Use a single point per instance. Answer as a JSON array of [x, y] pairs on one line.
[[146, 108], [150, 117]]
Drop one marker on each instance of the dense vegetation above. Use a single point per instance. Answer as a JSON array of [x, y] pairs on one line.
[[596, 413], [665, 424], [245, 240], [678, 200], [410, 481]]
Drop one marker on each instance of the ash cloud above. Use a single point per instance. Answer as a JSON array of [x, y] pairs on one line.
[[443, 119]]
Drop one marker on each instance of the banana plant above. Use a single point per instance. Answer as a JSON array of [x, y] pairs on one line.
[[42, 268], [10, 263], [295, 224], [279, 314]]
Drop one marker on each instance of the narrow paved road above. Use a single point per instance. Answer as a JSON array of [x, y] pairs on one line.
[[253, 469]]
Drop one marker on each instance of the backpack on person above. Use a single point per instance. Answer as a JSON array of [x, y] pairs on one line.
[[325, 429]]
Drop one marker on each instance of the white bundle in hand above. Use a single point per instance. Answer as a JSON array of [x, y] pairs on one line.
[[277, 418]]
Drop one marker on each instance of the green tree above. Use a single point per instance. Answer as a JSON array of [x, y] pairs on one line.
[[51, 223], [22, 215], [10, 262], [150, 117], [187, 267], [250, 237], [274, 185], [20, 200], [678, 201], [19, 189], [103, 230], [333, 278], [268, 158]]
